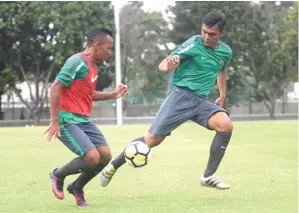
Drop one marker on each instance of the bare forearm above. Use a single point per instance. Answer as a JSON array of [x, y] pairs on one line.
[[55, 91], [169, 64], [221, 82], [103, 96], [163, 67]]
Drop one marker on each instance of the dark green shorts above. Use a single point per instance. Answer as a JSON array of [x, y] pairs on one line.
[[180, 106], [80, 138]]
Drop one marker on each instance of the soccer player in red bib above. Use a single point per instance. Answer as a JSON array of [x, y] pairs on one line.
[[71, 97]]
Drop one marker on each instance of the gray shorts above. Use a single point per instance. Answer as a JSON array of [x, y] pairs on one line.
[[180, 106], [31, 115], [80, 138]]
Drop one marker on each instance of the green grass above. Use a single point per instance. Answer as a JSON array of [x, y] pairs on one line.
[[260, 164]]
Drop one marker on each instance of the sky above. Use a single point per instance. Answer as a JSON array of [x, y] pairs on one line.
[[157, 5], [152, 5]]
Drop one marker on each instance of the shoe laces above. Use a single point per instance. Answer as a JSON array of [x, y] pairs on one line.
[[109, 172]]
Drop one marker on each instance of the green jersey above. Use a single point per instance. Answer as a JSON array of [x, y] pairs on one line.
[[75, 68], [200, 65]]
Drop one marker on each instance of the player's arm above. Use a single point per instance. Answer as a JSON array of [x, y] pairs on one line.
[[55, 91], [54, 130], [64, 79], [102, 96], [184, 51], [221, 82], [119, 91], [169, 63], [221, 79]]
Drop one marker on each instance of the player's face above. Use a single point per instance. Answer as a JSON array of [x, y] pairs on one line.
[[211, 35], [104, 49]]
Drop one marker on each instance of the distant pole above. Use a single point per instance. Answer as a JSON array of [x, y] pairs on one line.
[[13, 106], [250, 102], [119, 110], [284, 101]]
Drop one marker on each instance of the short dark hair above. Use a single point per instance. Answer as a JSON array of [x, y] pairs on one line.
[[97, 32], [215, 18]]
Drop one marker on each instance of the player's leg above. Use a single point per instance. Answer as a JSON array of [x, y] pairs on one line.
[[33, 119], [177, 108], [108, 172], [76, 187], [29, 119], [88, 175], [78, 142], [103, 149], [215, 118], [221, 123]]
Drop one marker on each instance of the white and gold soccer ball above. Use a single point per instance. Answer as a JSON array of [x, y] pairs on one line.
[[137, 154]]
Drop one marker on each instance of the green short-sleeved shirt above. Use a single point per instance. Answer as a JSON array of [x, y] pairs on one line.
[[75, 68], [200, 65]]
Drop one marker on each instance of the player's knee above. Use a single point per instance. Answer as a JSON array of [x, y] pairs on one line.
[[92, 159], [153, 140], [105, 159], [224, 125], [105, 154], [220, 122]]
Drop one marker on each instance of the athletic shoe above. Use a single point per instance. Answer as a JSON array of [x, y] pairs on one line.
[[78, 194], [57, 185], [107, 174], [214, 182]]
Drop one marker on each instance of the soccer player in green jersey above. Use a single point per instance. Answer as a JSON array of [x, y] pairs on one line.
[[71, 98], [198, 63]]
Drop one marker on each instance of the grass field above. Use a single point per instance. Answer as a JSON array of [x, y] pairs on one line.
[[261, 165]]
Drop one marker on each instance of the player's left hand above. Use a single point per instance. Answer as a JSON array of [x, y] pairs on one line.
[[220, 101], [120, 90]]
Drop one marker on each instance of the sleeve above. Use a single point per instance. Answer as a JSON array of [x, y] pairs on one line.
[[187, 49], [70, 70], [228, 60]]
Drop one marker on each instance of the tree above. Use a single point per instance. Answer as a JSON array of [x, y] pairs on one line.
[[272, 50], [291, 43], [37, 37], [142, 35], [7, 79]]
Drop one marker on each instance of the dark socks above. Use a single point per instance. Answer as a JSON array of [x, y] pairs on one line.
[[217, 151], [120, 159], [87, 176], [75, 166]]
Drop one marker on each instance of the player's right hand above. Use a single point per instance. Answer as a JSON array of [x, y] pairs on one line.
[[53, 131], [173, 62]]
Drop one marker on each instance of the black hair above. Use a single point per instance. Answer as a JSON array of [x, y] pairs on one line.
[[97, 32], [215, 18]]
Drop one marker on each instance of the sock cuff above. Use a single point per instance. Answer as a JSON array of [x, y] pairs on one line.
[[225, 135]]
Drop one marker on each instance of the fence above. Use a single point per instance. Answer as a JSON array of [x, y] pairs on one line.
[[108, 111]]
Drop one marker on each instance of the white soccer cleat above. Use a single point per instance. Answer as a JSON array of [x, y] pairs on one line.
[[107, 174], [214, 182]]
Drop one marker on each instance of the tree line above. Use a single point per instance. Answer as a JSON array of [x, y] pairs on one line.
[[37, 37]]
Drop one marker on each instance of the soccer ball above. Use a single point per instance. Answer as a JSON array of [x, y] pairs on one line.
[[137, 154]]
